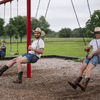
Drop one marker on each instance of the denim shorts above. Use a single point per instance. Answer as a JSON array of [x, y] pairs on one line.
[[93, 60], [31, 57]]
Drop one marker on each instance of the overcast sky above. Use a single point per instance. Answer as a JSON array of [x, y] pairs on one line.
[[60, 13]]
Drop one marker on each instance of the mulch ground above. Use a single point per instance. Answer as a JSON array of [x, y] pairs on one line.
[[49, 81]]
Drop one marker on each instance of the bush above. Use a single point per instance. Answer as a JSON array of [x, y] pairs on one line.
[[78, 60]]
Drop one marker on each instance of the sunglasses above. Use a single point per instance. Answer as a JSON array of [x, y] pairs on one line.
[[96, 33]]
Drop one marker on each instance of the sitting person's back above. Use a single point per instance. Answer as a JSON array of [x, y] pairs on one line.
[[3, 50]]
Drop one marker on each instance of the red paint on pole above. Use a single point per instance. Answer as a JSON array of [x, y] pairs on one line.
[[28, 34], [5, 1]]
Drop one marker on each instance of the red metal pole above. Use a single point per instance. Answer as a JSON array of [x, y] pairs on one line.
[[4, 1], [28, 34]]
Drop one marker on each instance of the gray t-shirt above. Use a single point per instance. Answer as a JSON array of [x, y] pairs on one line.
[[94, 44], [37, 44]]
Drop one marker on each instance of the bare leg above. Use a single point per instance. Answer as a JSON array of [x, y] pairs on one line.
[[87, 77], [19, 66], [12, 62], [83, 67], [79, 76], [88, 70], [20, 61]]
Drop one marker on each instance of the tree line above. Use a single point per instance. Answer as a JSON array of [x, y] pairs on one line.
[[17, 27]]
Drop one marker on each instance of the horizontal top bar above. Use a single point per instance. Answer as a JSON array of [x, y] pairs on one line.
[[5, 1]]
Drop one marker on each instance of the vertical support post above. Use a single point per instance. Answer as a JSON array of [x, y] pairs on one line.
[[28, 34]]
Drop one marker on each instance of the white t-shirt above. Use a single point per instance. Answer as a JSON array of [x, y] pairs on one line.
[[94, 44], [37, 44]]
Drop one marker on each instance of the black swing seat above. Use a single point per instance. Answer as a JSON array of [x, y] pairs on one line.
[[14, 53], [98, 59]]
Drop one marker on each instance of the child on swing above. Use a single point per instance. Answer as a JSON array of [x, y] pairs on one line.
[[3, 50], [89, 62]]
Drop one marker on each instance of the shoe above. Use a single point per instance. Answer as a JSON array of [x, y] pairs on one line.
[[1, 73], [3, 69], [17, 81], [74, 85], [83, 88]]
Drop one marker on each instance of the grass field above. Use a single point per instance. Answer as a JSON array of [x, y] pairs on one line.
[[73, 47]]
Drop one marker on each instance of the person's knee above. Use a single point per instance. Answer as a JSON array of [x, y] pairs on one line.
[[83, 67], [84, 64], [14, 60], [18, 61], [89, 68]]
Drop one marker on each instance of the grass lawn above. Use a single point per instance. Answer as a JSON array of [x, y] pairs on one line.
[[21, 49], [72, 49], [68, 39]]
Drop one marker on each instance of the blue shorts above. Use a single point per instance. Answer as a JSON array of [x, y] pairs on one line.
[[93, 60], [31, 57]]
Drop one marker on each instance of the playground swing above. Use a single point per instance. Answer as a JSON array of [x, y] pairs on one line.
[[80, 27], [36, 15], [17, 30], [46, 12], [43, 33], [92, 26], [79, 24]]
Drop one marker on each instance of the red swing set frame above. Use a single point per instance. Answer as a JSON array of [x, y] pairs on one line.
[[28, 30]]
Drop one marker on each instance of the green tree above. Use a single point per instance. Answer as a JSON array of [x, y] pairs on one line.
[[34, 23], [1, 27], [44, 25], [10, 29], [52, 34], [79, 32], [65, 32], [20, 23], [75, 33], [93, 22]]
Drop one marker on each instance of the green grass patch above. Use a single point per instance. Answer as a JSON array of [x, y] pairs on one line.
[[61, 46], [67, 39], [13, 48], [72, 49]]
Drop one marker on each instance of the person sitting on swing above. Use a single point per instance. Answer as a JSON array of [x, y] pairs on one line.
[[89, 62], [3, 50], [35, 51]]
